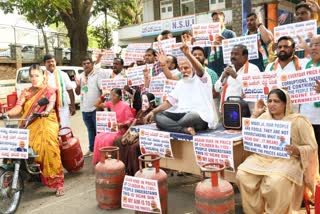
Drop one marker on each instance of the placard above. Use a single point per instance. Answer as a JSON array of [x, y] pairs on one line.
[[299, 85], [169, 85], [105, 120], [134, 52], [176, 50], [250, 41], [213, 150], [156, 86], [135, 75], [140, 194], [107, 57], [306, 30], [257, 86], [108, 84], [267, 137], [166, 45], [155, 142], [14, 143], [206, 31]]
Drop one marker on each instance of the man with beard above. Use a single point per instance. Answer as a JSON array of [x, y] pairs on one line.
[[189, 107], [286, 60], [264, 38], [117, 69], [230, 82]]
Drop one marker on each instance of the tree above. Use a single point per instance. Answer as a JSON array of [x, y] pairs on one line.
[[103, 35]]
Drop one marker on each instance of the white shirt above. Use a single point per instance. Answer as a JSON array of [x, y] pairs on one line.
[[194, 95], [235, 85], [66, 83], [109, 74], [289, 67]]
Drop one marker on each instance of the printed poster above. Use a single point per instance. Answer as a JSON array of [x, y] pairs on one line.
[[108, 84], [266, 137], [14, 143], [214, 150], [299, 85], [250, 41], [140, 194], [166, 45], [206, 31], [156, 86], [169, 85], [134, 52], [105, 120], [306, 30], [257, 86], [155, 142], [135, 75]]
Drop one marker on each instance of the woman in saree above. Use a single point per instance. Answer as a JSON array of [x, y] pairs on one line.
[[129, 142], [124, 119], [43, 131], [276, 185]]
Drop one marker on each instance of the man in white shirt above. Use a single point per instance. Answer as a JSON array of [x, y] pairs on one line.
[[117, 69], [189, 107], [89, 87], [61, 81], [230, 81]]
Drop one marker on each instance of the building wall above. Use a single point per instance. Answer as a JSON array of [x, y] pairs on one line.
[[156, 10], [201, 6]]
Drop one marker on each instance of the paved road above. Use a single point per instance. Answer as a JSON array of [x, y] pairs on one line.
[[80, 190]]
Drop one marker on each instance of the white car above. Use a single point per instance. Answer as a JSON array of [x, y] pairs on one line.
[[27, 52], [23, 78]]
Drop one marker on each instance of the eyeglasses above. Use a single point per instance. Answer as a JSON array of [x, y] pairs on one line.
[[317, 44]]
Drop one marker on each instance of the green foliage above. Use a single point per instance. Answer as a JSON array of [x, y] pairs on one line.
[[103, 35]]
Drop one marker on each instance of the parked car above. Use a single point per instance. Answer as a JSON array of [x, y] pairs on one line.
[[23, 79], [27, 52]]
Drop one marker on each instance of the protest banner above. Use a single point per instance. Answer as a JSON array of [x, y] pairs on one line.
[[134, 52], [156, 86], [140, 194], [14, 143], [135, 75], [257, 86], [251, 42], [108, 84], [176, 50], [155, 142], [213, 150], [105, 120], [306, 30], [169, 85], [299, 85], [177, 24], [107, 57], [206, 31], [166, 45], [267, 137], [203, 43]]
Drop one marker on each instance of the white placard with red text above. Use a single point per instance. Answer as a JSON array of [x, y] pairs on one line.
[[108, 84], [299, 85], [257, 86], [140, 194], [306, 30], [105, 120], [107, 57], [155, 142], [169, 85], [156, 86], [250, 41], [213, 150], [166, 45], [134, 52], [267, 137], [135, 75], [206, 31], [14, 143]]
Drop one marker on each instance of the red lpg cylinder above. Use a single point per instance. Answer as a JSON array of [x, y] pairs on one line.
[[70, 149], [154, 172], [11, 100], [214, 195], [109, 179]]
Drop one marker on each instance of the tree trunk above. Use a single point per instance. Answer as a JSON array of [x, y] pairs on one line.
[[79, 43], [45, 39]]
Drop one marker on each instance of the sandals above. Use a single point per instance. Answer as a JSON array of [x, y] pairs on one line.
[[60, 192]]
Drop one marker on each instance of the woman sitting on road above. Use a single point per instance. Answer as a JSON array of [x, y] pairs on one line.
[[43, 131], [129, 142], [124, 119], [276, 185]]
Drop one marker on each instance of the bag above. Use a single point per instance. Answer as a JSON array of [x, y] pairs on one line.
[[234, 109]]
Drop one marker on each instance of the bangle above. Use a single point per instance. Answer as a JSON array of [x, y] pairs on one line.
[[163, 65], [102, 98], [259, 24]]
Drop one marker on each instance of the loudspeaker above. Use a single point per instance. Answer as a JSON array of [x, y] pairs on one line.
[[234, 108]]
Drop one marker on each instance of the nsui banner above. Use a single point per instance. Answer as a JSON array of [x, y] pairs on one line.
[[267, 137]]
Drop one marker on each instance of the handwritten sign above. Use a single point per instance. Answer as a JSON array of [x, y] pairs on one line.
[[134, 52], [166, 45], [135, 75], [156, 142], [213, 150], [140, 194], [300, 85], [306, 30], [14, 143], [105, 120], [250, 41], [267, 137], [257, 86], [206, 31], [108, 84], [177, 24]]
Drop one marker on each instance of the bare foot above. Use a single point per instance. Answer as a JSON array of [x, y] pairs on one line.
[[60, 192], [191, 131]]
